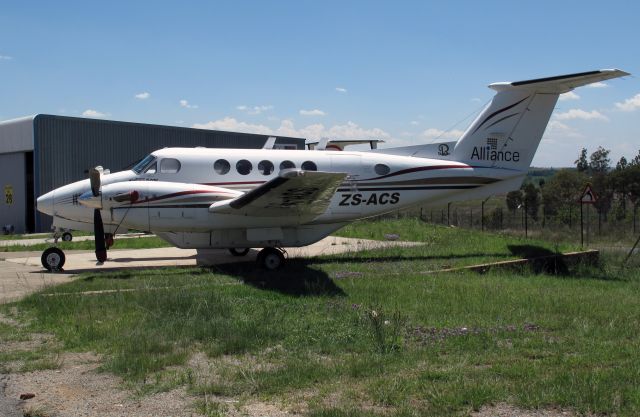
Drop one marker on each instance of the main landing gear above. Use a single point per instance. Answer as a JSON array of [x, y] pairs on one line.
[[271, 258]]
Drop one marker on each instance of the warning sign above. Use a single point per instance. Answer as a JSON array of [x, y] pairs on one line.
[[588, 196], [8, 194]]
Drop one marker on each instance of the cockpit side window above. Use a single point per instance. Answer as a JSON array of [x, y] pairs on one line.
[[152, 169], [144, 163], [169, 166]]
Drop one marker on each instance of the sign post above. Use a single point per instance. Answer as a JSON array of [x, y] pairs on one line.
[[588, 197]]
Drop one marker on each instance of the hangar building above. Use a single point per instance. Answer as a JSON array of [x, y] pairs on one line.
[[42, 152]]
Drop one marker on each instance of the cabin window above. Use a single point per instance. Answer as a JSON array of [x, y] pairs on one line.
[[169, 166], [244, 167], [151, 169], [265, 167], [382, 169], [309, 166], [221, 166], [287, 165]]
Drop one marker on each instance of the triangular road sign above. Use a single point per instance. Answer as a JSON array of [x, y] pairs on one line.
[[588, 196]]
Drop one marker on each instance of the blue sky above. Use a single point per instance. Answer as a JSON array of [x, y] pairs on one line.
[[404, 71]]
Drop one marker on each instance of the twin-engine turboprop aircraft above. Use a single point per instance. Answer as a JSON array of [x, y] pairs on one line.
[[239, 199]]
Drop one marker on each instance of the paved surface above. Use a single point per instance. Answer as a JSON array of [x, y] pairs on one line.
[[21, 273], [49, 239]]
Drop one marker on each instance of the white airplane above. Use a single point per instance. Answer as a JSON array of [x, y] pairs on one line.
[[239, 199]]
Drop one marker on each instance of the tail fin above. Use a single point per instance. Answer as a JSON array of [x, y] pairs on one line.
[[507, 133]]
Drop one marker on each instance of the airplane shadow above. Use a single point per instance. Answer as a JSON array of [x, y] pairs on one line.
[[386, 259], [542, 260], [296, 278]]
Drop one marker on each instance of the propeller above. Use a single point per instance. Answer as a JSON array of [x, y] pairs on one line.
[[95, 175]]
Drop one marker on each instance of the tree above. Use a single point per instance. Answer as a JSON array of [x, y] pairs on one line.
[[622, 164], [581, 163], [562, 192], [531, 200], [599, 161], [514, 200]]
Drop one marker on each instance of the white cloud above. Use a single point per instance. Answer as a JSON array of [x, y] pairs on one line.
[[350, 130], [253, 110], [314, 112], [5, 58], [599, 84], [433, 133], [630, 104], [414, 123], [143, 96], [476, 100], [341, 90], [95, 114], [569, 96], [581, 114], [184, 103]]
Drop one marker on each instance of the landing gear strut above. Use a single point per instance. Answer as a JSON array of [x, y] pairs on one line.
[[271, 258], [53, 259]]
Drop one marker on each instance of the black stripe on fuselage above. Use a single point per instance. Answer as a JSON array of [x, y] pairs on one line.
[[433, 187]]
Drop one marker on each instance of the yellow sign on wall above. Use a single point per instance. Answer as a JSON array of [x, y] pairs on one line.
[[8, 194]]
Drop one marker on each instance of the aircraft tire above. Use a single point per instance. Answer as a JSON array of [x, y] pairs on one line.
[[270, 259], [67, 237], [239, 251], [53, 259]]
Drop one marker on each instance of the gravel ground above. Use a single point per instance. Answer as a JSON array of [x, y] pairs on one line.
[[78, 389]]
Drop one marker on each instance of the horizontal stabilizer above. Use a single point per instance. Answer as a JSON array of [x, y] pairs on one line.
[[560, 83]]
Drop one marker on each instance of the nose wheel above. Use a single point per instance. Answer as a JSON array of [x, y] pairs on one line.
[[271, 258], [53, 259]]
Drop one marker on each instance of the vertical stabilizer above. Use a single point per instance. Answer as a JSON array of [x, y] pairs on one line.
[[508, 131]]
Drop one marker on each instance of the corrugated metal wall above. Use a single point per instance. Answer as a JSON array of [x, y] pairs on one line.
[[66, 147]]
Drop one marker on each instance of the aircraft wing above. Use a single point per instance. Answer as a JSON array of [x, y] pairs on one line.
[[294, 193]]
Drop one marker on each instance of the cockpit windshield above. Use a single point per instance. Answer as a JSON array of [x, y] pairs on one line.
[[140, 166]]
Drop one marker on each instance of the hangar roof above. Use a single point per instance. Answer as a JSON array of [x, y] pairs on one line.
[[16, 135]]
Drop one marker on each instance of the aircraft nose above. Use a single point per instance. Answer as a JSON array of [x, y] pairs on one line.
[[45, 203]]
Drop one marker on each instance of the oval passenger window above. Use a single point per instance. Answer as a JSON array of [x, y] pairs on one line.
[[309, 166], [169, 166], [287, 165], [382, 169], [221, 166], [244, 167], [265, 167]]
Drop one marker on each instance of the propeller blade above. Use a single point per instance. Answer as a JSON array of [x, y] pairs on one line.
[[94, 178], [98, 231]]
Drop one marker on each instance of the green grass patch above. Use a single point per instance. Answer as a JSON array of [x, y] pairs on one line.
[[367, 330]]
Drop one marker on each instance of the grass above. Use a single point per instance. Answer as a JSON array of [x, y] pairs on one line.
[[128, 243], [365, 334]]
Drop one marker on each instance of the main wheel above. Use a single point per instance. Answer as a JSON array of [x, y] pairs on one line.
[[239, 251], [271, 259], [67, 237], [53, 259]]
